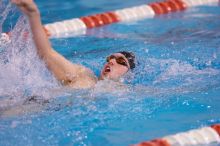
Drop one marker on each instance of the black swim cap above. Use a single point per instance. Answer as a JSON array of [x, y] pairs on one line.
[[130, 57]]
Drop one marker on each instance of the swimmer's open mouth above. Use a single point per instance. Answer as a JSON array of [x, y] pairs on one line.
[[107, 69]]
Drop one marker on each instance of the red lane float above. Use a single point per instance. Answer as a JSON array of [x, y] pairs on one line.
[[216, 128], [155, 142], [79, 25], [182, 5], [168, 6], [100, 19], [174, 6], [202, 136], [157, 8]]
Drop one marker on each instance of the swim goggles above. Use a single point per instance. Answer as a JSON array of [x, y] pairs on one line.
[[120, 60]]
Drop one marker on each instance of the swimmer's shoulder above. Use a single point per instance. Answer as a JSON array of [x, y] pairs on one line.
[[85, 79]]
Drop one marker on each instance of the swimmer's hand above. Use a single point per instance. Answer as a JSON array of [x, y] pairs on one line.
[[27, 6]]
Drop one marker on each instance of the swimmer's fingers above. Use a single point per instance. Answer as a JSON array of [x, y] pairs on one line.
[[27, 6]]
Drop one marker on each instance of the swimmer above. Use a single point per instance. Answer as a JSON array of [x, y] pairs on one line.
[[69, 74]]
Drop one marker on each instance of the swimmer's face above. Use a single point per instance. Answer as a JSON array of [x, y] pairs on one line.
[[116, 66]]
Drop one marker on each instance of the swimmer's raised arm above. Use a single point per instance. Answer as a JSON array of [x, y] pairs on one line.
[[64, 70]]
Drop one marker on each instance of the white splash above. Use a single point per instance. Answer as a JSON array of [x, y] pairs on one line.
[[177, 68], [22, 72]]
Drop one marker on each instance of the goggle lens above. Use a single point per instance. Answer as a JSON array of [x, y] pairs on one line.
[[119, 60]]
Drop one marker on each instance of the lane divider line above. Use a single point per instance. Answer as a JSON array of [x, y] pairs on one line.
[[196, 137], [80, 25]]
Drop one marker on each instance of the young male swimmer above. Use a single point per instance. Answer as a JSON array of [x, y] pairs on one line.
[[69, 74]]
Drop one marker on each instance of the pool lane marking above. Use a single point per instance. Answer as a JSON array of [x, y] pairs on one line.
[[202, 136], [155, 142], [78, 26], [72, 25], [216, 127], [131, 14], [99, 19]]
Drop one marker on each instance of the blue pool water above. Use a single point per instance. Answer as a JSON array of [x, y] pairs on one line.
[[175, 86]]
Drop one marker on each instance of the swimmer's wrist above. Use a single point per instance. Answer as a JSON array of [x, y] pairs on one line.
[[32, 10], [33, 13]]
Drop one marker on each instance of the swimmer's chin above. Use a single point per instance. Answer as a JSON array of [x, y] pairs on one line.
[[108, 77], [105, 76]]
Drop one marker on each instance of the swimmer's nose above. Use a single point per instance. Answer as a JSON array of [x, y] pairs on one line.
[[112, 62]]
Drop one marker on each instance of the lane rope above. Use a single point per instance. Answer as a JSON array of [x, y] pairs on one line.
[[78, 26], [196, 137]]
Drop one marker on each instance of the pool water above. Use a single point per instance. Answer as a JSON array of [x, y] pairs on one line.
[[175, 86]]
